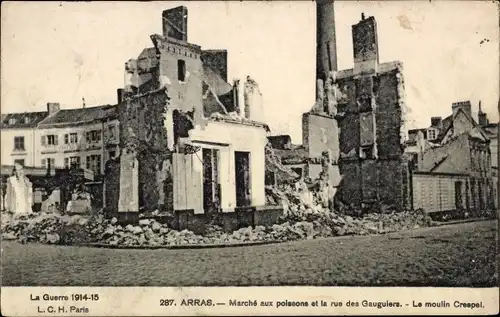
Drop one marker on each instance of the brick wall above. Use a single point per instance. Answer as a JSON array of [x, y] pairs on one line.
[[112, 185], [388, 115], [142, 129], [371, 114], [175, 23]]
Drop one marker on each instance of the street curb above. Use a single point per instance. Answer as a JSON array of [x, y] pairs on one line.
[[455, 222], [177, 247]]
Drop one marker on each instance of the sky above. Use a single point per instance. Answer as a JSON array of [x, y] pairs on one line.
[[61, 52]]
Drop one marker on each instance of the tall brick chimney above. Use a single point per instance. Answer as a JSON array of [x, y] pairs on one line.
[[53, 107], [175, 23], [326, 46], [365, 45]]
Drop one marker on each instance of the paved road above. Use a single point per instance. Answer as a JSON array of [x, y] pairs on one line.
[[454, 255]]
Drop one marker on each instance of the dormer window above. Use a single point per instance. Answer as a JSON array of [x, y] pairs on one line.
[[12, 121], [26, 120], [431, 134]]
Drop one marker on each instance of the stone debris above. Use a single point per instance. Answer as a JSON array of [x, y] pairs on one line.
[[307, 215], [299, 224]]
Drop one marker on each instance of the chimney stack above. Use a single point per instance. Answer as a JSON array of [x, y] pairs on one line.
[[236, 95], [482, 117], [464, 105], [326, 47], [53, 107], [437, 122], [175, 23], [365, 45], [119, 95]]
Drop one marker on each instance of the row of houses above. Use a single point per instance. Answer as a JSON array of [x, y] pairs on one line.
[[456, 160], [61, 138]]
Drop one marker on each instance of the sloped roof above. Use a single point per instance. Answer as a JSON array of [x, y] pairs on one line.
[[215, 80], [80, 115], [447, 124], [211, 102], [218, 94], [491, 130], [22, 120]]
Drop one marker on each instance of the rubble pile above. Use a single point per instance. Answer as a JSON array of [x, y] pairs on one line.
[[282, 173], [301, 205], [305, 217], [51, 228], [76, 230]]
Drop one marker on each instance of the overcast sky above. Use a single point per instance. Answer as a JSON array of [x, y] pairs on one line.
[[61, 52]]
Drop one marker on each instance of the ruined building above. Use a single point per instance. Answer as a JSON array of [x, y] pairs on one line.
[[191, 143], [356, 123], [319, 127], [370, 110]]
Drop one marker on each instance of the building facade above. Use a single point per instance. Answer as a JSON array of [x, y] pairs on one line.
[[18, 137], [459, 150], [61, 138]]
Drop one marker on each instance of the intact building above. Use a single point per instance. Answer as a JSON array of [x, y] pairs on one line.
[[61, 138], [18, 137], [454, 168]]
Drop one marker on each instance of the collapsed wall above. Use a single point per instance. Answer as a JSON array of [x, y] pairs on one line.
[[143, 140]]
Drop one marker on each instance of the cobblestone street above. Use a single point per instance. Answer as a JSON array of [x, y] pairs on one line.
[[453, 255]]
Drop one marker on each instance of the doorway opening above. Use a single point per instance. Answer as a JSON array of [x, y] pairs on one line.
[[211, 180], [242, 171]]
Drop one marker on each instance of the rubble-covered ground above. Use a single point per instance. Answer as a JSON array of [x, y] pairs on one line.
[[308, 214], [304, 219]]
